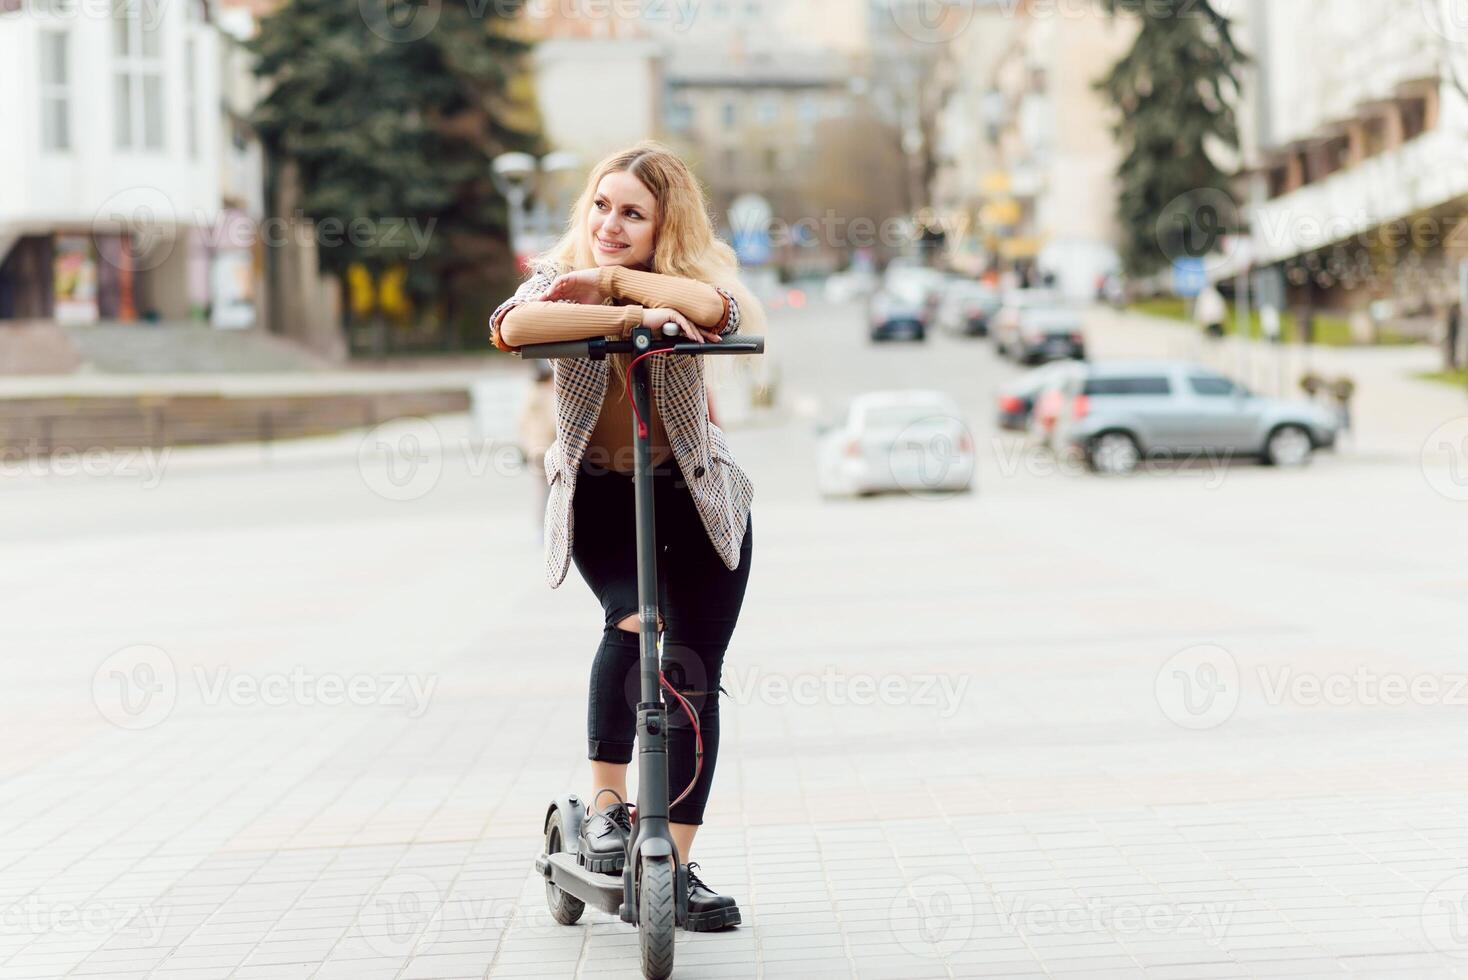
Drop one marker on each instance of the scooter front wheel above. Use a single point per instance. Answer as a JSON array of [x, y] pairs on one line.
[[656, 927]]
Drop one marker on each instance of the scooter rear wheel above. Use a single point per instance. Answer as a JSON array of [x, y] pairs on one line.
[[565, 909], [656, 927]]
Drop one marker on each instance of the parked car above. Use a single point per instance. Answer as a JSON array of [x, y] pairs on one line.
[[851, 285], [1018, 398], [914, 440], [909, 278], [1045, 334], [1004, 324], [899, 309], [1121, 412], [966, 309]]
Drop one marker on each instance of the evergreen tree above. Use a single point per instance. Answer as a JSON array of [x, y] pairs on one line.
[[391, 113], [1173, 93]]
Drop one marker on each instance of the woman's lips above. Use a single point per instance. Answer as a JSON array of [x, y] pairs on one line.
[[612, 246]]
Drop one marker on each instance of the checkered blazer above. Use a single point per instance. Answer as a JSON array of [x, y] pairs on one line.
[[721, 490]]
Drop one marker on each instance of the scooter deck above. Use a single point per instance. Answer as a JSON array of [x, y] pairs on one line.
[[595, 888]]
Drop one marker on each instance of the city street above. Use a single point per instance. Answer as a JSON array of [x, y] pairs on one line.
[[280, 713]]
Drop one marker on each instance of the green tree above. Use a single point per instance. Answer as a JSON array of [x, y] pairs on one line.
[[390, 114], [1173, 92]]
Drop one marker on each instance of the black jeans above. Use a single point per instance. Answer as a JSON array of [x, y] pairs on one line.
[[698, 600]]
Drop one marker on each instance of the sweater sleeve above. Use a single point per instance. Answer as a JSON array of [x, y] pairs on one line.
[[538, 322], [705, 305], [535, 321]]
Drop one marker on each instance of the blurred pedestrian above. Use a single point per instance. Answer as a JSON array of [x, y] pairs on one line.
[[1209, 311], [1343, 388], [537, 432]]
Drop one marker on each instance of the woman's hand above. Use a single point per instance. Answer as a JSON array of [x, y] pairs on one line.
[[581, 286], [654, 318]]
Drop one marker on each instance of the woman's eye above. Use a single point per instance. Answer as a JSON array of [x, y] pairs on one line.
[[601, 205]]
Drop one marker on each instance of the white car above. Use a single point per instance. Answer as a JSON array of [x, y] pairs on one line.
[[914, 441]]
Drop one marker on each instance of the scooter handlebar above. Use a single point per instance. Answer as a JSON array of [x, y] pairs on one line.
[[599, 347]]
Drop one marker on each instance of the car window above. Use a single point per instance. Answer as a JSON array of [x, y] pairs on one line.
[[1210, 384], [1144, 384]]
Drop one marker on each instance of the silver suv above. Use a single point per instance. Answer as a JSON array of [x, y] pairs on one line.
[[1117, 413]]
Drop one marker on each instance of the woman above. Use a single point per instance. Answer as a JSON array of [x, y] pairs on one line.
[[640, 250]]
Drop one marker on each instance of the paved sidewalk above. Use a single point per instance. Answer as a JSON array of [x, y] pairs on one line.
[[290, 716]]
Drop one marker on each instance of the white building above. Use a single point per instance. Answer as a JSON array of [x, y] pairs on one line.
[[111, 161], [1352, 141]]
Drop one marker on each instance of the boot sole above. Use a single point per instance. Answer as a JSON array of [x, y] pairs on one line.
[[712, 920], [611, 864]]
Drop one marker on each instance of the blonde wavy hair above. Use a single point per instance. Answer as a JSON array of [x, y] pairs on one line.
[[684, 243]]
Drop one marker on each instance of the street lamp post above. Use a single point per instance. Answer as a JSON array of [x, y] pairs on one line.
[[522, 177]]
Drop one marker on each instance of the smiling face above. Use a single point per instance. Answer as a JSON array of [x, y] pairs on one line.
[[622, 222]]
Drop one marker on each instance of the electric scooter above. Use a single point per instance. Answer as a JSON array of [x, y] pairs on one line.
[[653, 888]]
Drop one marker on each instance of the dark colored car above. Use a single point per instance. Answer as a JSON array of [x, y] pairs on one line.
[[899, 311], [967, 308], [1046, 334]]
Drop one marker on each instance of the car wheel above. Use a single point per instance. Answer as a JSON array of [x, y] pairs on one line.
[[1113, 453], [1288, 445]]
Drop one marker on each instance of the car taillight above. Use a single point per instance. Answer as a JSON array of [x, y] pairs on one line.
[[1077, 338], [853, 447], [797, 299], [1080, 407], [1011, 404], [965, 444]]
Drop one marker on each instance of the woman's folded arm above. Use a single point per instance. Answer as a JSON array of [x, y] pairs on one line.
[[703, 304], [538, 322], [525, 319]]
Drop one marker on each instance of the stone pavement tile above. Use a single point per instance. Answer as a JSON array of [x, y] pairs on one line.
[[385, 968], [897, 968], [435, 966], [1196, 971]]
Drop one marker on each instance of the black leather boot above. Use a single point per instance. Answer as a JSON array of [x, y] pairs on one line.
[[603, 841], [708, 910]]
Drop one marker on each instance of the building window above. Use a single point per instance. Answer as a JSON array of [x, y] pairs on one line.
[[731, 113], [55, 92], [769, 110], [810, 110], [680, 116], [137, 55]]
